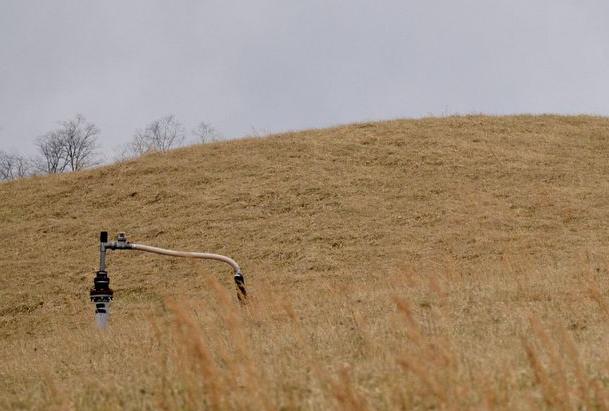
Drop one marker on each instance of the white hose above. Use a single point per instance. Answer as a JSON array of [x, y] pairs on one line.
[[209, 256]]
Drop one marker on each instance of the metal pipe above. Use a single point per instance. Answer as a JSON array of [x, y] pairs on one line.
[[103, 240], [102, 257]]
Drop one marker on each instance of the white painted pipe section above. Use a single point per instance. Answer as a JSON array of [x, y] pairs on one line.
[[208, 256], [102, 315]]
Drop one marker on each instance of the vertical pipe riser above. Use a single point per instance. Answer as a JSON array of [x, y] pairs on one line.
[[101, 293]]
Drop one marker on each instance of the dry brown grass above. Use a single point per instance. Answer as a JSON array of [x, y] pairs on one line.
[[455, 263]]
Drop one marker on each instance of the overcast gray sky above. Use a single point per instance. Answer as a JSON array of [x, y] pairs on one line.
[[277, 65]]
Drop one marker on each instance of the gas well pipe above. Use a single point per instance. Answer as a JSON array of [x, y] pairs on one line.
[[101, 294]]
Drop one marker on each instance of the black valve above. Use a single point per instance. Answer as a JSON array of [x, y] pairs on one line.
[[101, 295], [240, 284]]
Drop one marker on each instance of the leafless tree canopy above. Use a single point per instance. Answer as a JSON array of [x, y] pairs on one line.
[[80, 141], [13, 166], [160, 135], [206, 133], [69, 148], [52, 151]]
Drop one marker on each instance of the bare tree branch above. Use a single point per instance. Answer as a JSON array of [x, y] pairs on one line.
[[53, 153], [79, 139], [206, 133], [13, 166], [160, 135], [70, 147]]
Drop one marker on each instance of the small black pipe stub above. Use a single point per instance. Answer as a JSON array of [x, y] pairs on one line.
[[103, 237], [241, 291]]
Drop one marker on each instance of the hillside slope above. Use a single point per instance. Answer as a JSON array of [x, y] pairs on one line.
[[330, 227]]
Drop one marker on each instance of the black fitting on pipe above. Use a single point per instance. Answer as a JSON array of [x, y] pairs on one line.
[[101, 294], [101, 290], [240, 283]]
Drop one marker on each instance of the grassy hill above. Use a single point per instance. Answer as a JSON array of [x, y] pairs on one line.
[[437, 263]]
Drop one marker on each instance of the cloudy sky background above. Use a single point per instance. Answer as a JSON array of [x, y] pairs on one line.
[[275, 65]]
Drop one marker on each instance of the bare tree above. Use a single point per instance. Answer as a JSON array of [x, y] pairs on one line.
[[52, 153], [80, 141], [6, 166], [206, 133], [71, 147], [13, 166], [160, 135]]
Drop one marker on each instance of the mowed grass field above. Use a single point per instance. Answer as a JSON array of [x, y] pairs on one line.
[[442, 263]]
